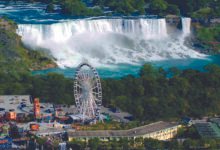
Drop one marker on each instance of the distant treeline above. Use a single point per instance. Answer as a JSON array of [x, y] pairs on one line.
[[151, 96], [193, 8]]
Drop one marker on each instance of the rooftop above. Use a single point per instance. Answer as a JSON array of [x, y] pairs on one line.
[[208, 129], [48, 131], [154, 127]]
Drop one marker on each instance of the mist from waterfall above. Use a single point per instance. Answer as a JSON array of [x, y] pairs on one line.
[[107, 42]]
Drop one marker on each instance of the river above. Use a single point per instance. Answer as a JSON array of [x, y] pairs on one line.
[[116, 46]]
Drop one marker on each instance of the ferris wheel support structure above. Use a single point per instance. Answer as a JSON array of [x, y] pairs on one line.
[[87, 92]]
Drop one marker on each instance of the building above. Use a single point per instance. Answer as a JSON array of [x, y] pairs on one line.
[[159, 130], [48, 132], [209, 129]]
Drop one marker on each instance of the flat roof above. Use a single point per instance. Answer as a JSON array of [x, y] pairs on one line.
[[139, 131], [208, 130], [48, 131]]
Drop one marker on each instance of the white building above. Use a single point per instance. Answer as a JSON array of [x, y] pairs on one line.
[[159, 130]]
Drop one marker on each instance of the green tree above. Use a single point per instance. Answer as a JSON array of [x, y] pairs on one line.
[[122, 102], [203, 13], [139, 5], [94, 143], [74, 7], [173, 9], [124, 143], [153, 144], [148, 71], [158, 6], [50, 7]]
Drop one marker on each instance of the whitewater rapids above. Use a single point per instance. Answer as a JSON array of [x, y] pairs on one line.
[[106, 42]]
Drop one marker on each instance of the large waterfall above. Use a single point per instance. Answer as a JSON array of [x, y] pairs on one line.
[[104, 42], [59, 32]]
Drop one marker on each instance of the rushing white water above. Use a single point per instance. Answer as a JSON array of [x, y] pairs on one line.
[[186, 25], [104, 42]]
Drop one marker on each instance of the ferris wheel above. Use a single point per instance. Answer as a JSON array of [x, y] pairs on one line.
[[87, 92]]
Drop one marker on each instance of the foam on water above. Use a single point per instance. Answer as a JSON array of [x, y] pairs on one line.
[[106, 42]]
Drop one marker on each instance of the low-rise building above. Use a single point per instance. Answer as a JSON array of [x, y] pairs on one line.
[[159, 130], [209, 129]]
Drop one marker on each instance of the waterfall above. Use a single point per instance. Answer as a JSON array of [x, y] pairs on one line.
[[186, 25], [107, 42], [148, 28]]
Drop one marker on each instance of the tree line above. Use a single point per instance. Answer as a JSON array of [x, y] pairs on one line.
[[193, 8], [155, 95], [143, 144]]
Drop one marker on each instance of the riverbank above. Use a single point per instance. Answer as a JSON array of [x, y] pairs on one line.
[[124, 70]]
